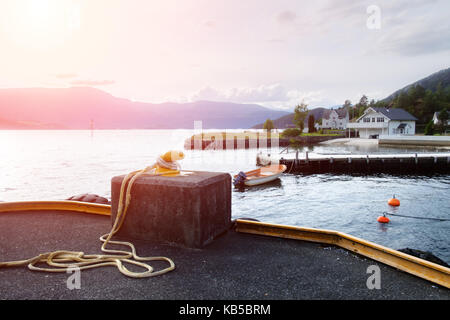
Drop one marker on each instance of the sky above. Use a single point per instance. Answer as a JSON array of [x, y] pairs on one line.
[[276, 53]]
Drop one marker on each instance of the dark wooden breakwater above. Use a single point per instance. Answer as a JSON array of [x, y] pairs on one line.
[[249, 140], [234, 143], [398, 164]]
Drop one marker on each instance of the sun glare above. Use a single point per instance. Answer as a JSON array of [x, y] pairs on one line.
[[43, 24]]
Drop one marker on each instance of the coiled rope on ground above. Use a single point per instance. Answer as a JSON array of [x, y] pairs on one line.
[[62, 260]]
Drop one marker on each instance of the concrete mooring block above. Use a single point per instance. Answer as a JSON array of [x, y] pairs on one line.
[[189, 210]]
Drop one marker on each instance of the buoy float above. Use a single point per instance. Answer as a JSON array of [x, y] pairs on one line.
[[383, 219], [394, 202]]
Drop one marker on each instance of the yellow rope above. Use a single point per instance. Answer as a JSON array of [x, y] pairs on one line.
[[62, 260]]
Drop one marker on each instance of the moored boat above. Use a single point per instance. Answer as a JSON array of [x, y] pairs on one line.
[[260, 175]]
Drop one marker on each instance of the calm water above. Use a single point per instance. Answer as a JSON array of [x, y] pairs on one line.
[[53, 165]]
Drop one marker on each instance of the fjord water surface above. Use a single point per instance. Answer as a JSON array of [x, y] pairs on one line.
[[54, 165]]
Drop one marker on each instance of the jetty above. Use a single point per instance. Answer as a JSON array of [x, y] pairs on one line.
[[238, 265], [416, 140], [250, 140], [407, 163], [187, 218]]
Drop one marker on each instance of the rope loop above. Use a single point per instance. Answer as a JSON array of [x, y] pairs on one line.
[[62, 261]]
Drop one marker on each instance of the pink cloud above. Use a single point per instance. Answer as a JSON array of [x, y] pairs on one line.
[[66, 75], [92, 82]]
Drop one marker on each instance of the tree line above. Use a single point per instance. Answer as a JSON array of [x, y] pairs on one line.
[[418, 101]]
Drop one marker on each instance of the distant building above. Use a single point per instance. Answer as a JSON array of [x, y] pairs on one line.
[[306, 128], [335, 119], [384, 121], [436, 119]]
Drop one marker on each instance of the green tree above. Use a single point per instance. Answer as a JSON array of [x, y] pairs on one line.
[[359, 108], [268, 125], [364, 101], [347, 104], [291, 133], [311, 122], [443, 119], [300, 114], [430, 102], [418, 92], [440, 92], [429, 128], [443, 116], [447, 94]]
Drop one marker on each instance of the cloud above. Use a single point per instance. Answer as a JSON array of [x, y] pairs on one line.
[[309, 97], [273, 95], [92, 82], [414, 30], [286, 17], [416, 40], [276, 40], [66, 75], [263, 93], [408, 27], [209, 24]]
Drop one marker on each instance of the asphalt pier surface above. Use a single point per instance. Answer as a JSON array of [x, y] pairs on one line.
[[234, 266]]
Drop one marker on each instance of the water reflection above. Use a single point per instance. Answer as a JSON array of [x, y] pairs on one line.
[[263, 187], [383, 227]]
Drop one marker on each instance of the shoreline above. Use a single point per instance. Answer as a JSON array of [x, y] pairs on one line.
[[351, 142], [409, 142]]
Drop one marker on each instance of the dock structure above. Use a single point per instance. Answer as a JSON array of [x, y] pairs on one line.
[[443, 141], [248, 140], [425, 163], [230, 141], [238, 265]]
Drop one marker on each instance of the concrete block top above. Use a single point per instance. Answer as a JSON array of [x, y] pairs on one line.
[[187, 179]]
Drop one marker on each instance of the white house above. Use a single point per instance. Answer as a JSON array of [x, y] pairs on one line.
[[436, 119], [335, 119], [384, 121]]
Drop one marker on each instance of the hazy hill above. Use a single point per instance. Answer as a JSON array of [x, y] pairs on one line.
[[73, 108], [27, 125], [431, 82], [286, 121], [422, 98]]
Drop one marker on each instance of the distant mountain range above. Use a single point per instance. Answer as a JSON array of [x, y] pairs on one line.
[[27, 125], [74, 108]]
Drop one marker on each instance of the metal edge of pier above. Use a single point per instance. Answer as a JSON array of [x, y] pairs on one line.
[[63, 205], [410, 264]]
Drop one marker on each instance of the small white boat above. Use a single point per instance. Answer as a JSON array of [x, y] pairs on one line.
[[261, 175]]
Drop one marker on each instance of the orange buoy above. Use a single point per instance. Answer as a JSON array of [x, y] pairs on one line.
[[394, 202], [383, 219]]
